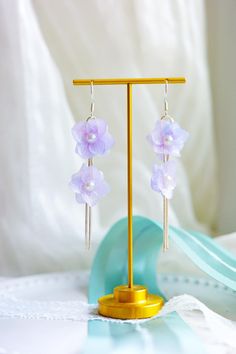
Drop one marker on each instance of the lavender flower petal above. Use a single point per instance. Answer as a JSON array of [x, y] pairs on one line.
[[167, 138], [89, 185], [164, 178], [100, 125], [83, 150], [98, 148], [92, 138], [78, 131]]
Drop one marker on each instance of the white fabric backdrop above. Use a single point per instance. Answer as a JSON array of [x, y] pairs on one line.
[[222, 58], [44, 45]]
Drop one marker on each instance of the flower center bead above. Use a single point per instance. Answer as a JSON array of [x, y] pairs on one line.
[[168, 139], [89, 186], [167, 179], [91, 137]]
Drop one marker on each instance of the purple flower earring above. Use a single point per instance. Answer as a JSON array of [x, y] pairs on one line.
[[92, 139], [167, 140]]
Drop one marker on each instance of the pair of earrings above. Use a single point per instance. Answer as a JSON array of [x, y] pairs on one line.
[[93, 139]]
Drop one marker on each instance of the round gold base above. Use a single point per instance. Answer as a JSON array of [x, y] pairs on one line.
[[130, 303]]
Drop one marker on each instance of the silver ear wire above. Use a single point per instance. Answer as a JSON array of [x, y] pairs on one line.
[[92, 100], [165, 98], [166, 115]]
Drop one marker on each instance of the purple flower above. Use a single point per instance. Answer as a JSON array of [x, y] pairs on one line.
[[163, 178], [89, 185], [167, 138], [92, 138]]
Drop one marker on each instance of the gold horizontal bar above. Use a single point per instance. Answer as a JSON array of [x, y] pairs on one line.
[[125, 81]]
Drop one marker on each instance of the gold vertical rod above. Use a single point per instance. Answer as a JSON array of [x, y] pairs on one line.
[[129, 185]]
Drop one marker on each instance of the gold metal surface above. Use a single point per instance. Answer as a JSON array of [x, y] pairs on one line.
[[130, 185], [125, 81], [127, 303]]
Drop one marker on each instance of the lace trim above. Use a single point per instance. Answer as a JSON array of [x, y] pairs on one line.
[[222, 330]]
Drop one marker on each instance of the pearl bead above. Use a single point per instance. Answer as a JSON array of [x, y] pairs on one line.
[[89, 186], [168, 178], [91, 137], [168, 139]]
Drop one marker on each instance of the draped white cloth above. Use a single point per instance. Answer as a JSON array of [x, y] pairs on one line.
[[35, 310], [46, 44]]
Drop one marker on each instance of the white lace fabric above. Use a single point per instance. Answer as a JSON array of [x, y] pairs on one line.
[[18, 301]]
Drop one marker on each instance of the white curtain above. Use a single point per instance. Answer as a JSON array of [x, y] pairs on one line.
[[222, 58], [46, 44]]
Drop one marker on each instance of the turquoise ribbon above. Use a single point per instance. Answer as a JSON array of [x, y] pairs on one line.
[[169, 334]]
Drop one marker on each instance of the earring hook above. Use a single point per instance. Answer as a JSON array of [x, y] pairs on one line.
[[92, 100], [165, 98]]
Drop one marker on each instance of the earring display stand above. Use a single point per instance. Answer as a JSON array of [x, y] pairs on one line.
[[130, 301]]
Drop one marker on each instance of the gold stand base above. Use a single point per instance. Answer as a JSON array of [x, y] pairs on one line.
[[130, 303]]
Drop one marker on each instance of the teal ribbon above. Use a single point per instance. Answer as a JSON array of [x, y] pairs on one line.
[[169, 334]]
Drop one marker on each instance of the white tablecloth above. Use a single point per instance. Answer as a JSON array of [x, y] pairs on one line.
[[64, 333]]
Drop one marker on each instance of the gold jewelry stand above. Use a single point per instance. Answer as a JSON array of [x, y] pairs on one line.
[[130, 301]]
